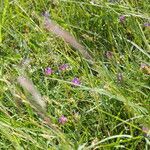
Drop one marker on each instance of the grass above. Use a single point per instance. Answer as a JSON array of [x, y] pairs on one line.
[[109, 110]]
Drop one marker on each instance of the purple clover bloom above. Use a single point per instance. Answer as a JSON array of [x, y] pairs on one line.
[[48, 71], [62, 119], [122, 18], [63, 67], [146, 24], [76, 81]]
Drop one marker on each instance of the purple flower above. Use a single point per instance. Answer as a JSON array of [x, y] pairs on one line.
[[109, 54], [63, 67], [122, 18], [146, 24], [48, 71], [76, 81], [63, 119]]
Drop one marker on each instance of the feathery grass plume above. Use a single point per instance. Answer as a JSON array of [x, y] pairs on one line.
[[57, 30], [29, 86], [41, 108]]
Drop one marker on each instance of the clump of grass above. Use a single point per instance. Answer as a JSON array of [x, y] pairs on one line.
[[76, 104]]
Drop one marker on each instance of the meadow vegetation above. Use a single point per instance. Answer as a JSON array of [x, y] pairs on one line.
[[52, 97]]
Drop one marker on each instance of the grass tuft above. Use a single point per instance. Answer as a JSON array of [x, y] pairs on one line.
[[90, 72]]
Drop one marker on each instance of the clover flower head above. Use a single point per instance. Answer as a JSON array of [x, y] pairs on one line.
[[62, 119], [48, 71], [122, 18], [76, 81], [63, 67]]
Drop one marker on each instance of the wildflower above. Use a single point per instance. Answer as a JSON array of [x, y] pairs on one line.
[[122, 18], [109, 54], [76, 81], [48, 71], [146, 24], [63, 67], [62, 119]]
